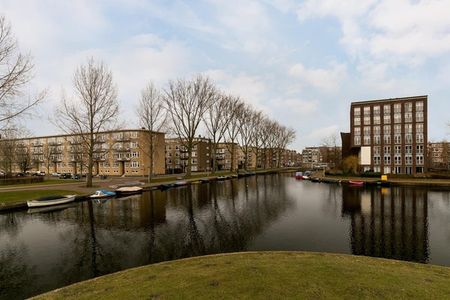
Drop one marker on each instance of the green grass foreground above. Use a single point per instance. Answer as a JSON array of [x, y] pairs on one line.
[[268, 275], [21, 196]]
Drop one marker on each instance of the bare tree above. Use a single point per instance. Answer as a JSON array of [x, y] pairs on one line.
[[153, 117], [257, 120], [94, 110], [332, 152], [23, 157], [284, 136], [236, 107], [8, 148], [186, 103], [15, 73], [216, 120], [246, 136]]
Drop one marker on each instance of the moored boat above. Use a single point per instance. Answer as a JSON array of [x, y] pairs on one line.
[[299, 175], [181, 183], [356, 182], [129, 190], [102, 194], [51, 200]]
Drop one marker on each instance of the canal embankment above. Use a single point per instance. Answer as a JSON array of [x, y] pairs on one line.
[[267, 275], [15, 197]]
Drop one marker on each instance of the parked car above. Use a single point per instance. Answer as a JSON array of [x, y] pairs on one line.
[[76, 176], [55, 174], [20, 174], [38, 174], [65, 176]]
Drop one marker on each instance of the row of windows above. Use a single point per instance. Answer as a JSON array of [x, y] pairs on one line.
[[387, 139], [408, 108], [398, 149], [376, 120], [408, 128], [398, 160]]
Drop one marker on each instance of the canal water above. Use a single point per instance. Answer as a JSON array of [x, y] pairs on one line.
[[44, 249]]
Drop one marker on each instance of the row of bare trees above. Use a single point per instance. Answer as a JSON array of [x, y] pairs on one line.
[[186, 107]]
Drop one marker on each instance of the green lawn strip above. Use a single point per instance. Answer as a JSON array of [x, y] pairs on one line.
[[45, 182], [268, 275], [21, 196]]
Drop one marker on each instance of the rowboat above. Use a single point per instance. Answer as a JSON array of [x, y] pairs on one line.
[[181, 183], [129, 190], [102, 194], [51, 200], [356, 182]]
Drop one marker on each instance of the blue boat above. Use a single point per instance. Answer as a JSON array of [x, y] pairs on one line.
[[102, 194]]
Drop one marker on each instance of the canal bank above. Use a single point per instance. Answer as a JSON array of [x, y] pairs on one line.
[[412, 182], [267, 275], [83, 193]]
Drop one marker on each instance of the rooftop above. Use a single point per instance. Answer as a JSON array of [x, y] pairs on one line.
[[423, 97]]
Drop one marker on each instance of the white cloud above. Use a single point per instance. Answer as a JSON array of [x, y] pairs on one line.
[[321, 133], [327, 80], [297, 107]]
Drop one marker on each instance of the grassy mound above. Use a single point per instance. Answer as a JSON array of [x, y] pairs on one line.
[[268, 275]]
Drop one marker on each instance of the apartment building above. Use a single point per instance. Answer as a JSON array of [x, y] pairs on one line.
[[439, 156], [312, 156], [119, 152], [389, 135], [176, 155], [224, 156]]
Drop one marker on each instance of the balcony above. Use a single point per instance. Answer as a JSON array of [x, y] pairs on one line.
[[122, 138], [122, 149]]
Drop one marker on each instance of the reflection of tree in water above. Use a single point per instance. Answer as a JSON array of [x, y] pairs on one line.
[[10, 223], [390, 223], [97, 239], [15, 273]]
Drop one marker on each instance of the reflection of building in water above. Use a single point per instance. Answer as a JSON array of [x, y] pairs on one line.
[[390, 223]]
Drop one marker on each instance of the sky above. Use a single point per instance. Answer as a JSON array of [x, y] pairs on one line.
[[301, 62]]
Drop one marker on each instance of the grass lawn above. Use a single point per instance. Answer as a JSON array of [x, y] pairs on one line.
[[21, 196], [268, 275], [45, 182]]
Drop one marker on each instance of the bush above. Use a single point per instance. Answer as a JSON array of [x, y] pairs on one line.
[[371, 174]]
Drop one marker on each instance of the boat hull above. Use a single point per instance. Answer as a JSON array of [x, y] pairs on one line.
[[41, 203]]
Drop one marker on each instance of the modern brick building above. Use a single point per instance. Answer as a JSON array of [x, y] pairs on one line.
[[120, 152], [389, 136]]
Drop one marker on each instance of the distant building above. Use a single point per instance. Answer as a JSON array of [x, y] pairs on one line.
[[119, 152], [439, 156], [177, 155], [389, 135]]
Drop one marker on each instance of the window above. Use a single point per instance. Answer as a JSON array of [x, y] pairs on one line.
[[419, 138], [376, 110], [357, 130], [397, 139], [419, 128], [419, 116], [408, 128], [397, 108], [357, 121], [398, 149], [397, 117], [367, 140], [377, 150], [387, 119], [408, 107], [135, 164], [419, 160], [398, 159], [376, 130], [387, 139], [419, 149], [133, 134], [387, 109], [356, 111], [366, 130], [376, 139], [387, 150], [376, 120], [408, 139], [357, 140], [387, 129], [398, 129], [135, 154], [377, 160], [367, 120], [419, 106], [408, 117], [387, 159], [408, 149], [367, 111], [408, 159]]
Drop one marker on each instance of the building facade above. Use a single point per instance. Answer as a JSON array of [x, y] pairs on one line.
[[390, 136], [177, 155], [439, 156], [121, 152]]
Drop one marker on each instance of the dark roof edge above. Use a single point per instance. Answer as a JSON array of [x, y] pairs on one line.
[[389, 99]]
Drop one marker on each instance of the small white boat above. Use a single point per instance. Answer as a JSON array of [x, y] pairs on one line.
[[128, 190], [102, 194], [51, 200]]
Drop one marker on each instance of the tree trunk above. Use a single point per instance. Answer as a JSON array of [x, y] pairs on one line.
[[151, 156], [90, 162], [189, 164], [232, 157], [213, 157]]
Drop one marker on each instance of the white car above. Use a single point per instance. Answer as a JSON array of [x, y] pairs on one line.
[[55, 174]]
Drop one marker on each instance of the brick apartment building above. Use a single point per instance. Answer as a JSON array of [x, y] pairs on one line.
[[177, 156], [439, 156], [389, 135], [120, 152]]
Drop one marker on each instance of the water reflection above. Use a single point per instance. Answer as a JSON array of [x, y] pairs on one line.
[[390, 223], [44, 250], [60, 247]]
